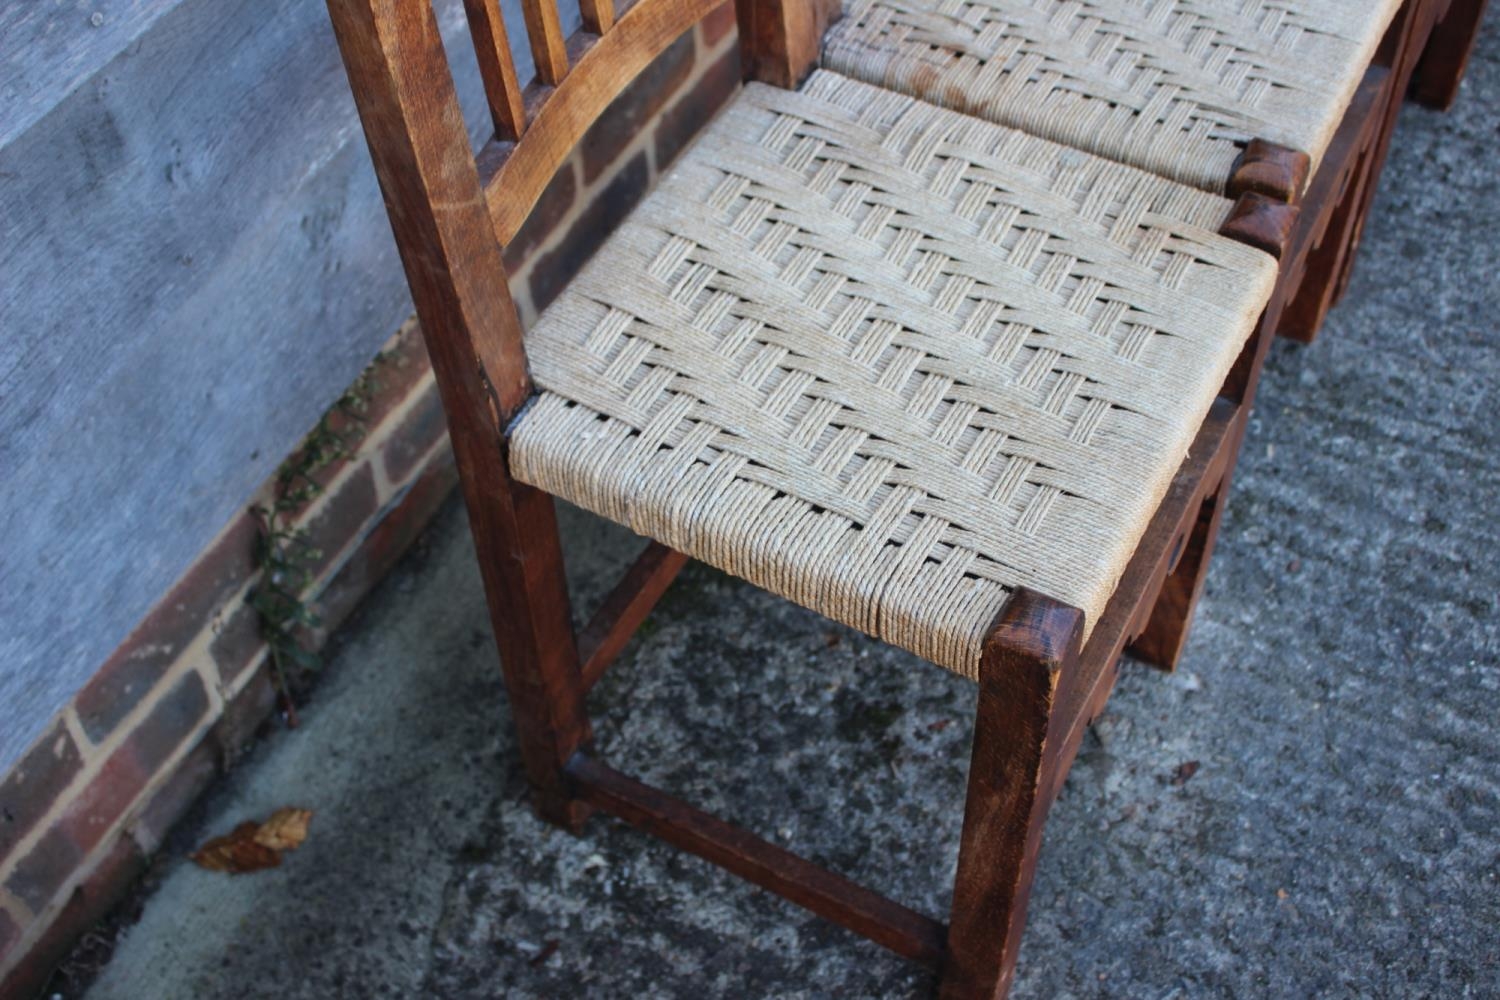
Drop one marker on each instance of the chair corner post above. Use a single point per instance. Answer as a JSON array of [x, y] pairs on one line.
[[1276, 171], [1032, 645]]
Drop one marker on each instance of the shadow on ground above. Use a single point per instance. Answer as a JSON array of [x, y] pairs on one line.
[[1340, 838]]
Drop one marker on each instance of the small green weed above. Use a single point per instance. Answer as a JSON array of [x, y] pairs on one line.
[[285, 555]]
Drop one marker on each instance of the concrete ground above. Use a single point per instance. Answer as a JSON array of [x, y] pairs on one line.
[[1340, 838]]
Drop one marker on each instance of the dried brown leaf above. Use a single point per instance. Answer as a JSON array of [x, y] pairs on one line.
[[285, 830], [236, 852], [252, 846]]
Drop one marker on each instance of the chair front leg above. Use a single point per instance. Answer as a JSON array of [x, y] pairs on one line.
[[1033, 643], [520, 558]]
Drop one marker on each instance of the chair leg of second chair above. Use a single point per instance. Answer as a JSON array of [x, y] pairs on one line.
[[1447, 55], [1161, 642]]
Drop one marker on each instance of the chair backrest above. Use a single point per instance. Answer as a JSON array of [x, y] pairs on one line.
[[453, 211]]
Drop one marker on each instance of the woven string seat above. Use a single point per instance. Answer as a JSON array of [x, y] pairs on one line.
[[891, 362], [1176, 87]]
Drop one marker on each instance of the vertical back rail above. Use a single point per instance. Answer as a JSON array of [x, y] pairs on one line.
[[598, 15], [548, 47], [497, 67], [404, 91]]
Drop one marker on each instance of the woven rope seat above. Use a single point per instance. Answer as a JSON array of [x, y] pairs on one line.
[[1176, 87], [891, 362]]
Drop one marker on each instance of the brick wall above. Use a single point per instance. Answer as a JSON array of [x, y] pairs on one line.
[[177, 703]]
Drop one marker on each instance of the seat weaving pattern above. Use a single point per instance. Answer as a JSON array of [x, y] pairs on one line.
[[891, 362], [1176, 87]]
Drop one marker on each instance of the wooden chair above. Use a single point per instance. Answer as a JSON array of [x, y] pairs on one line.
[[971, 391], [1197, 90]]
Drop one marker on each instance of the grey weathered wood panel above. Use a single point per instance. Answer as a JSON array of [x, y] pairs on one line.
[[193, 263], [49, 47]]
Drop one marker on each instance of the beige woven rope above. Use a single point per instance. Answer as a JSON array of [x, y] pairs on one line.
[[1173, 86], [891, 362]]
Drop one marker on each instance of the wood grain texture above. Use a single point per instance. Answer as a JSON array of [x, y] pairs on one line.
[[497, 67], [48, 53], [1037, 686], [1330, 223], [1159, 635], [598, 15], [1161, 641], [146, 314], [1087, 689], [1261, 222], [830, 896], [1032, 643], [1340, 197], [517, 173]]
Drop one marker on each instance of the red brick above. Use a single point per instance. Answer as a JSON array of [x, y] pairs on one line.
[[352, 428], [378, 554], [717, 24], [99, 805], [631, 112], [421, 428], [10, 933], [403, 366], [169, 802], [342, 516], [34, 784], [243, 715], [169, 723], [55, 857], [686, 118], [238, 644], [86, 905], [555, 201], [134, 669], [608, 208], [52, 861], [111, 792]]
